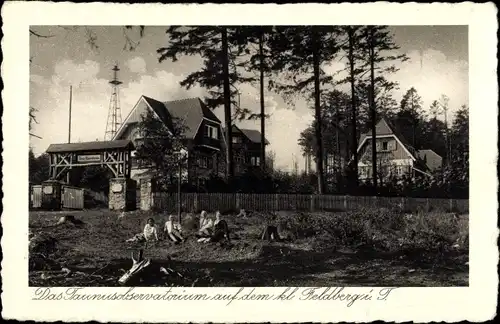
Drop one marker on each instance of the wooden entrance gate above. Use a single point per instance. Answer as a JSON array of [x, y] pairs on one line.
[[72, 197], [116, 155]]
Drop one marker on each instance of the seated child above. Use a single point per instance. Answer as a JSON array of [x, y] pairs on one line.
[[150, 231], [172, 230], [206, 226]]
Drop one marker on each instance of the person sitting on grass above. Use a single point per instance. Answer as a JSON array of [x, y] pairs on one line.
[[270, 231], [172, 230], [206, 226], [150, 231], [221, 229]]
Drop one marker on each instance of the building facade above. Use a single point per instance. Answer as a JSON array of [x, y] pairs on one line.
[[204, 139], [246, 144], [395, 156]]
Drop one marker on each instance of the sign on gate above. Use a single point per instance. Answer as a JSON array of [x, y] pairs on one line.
[[88, 158]]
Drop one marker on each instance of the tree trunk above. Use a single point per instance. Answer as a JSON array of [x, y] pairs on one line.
[[337, 148], [317, 113], [262, 106], [373, 111], [354, 135], [227, 107]]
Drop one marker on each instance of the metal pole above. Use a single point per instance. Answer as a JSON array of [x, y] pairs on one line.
[[179, 192], [68, 176], [69, 121]]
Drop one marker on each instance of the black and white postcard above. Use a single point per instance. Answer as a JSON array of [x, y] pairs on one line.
[[249, 163]]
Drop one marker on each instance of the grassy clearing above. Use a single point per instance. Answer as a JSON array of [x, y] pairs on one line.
[[366, 247]]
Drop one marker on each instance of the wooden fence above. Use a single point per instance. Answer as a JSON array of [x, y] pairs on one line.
[[36, 196], [70, 198], [236, 201]]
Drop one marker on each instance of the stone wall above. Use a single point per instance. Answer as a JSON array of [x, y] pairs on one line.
[[122, 194], [145, 193]]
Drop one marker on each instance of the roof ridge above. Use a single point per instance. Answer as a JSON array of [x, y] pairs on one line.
[[184, 99], [148, 97]]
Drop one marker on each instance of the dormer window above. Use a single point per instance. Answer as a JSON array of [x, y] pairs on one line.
[[211, 132]]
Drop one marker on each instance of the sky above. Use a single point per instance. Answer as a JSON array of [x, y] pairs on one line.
[[438, 65]]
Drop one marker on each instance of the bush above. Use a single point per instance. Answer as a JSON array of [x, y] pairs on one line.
[[381, 229]]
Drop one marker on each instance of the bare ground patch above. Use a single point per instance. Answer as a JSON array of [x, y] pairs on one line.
[[96, 254]]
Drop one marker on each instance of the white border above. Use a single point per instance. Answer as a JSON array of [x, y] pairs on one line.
[[475, 303]]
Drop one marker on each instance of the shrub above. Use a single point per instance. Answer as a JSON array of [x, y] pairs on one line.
[[382, 229]]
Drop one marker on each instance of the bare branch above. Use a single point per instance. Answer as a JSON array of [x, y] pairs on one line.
[[40, 35]]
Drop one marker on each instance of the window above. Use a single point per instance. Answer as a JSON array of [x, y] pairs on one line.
[[211, 132], [202, 162], [385, 145], [205, 162], [255, 160], [236, 140]]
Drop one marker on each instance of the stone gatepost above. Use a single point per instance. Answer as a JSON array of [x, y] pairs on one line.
[[51, 195], [146, 191], [122, 194]]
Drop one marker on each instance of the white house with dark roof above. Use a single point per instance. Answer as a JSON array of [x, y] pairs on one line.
[[395, 156]]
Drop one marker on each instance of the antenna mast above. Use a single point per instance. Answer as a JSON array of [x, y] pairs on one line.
[[114, 113]]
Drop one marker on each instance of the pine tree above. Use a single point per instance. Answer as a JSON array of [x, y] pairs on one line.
[[335, 109], [444, 107], [219, 46], [460, 139], [299, 52], [258, 62], [378, 41], [410, 117], [354, 55]]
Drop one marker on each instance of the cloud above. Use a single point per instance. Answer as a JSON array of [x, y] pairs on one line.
[[433, 74], [91, 100], [136, 65]]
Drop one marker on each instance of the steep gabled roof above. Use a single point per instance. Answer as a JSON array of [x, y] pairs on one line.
[[159, 108], [252, 134], [385, 127], [190, 111], [422, 153], [427, 155]]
